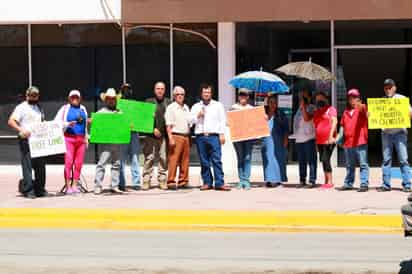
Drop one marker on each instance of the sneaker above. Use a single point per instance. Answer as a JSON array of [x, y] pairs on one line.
[[407, 189], [246, 185], [98, 190], [76, 190], [276, 185], [136, 188], [327, 186], [70, 191], [301, 185], [146, 186], [116, 190], [310, 185], [345, 188], [363, 189], [163, 185], [239, 185], [30, 195], [384, 189]]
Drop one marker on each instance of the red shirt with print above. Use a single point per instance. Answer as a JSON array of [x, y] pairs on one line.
[[355, 127], [322, 118]]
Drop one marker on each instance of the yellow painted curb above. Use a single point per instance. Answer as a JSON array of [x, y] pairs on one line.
[[198, 220]]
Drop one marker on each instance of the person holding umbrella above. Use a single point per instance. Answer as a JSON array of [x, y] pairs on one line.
[[304, 132], [243, 148]]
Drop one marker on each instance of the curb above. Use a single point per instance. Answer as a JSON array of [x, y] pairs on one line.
[[198, 220]]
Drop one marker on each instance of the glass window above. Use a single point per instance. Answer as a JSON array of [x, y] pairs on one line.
[[148, 58], [195, 58], [14, 81], [369, 32]]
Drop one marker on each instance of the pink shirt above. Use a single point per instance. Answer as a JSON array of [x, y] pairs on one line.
[[323, 123]]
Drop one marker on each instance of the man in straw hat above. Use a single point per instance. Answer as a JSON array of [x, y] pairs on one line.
[[24, 116], [110, 152]]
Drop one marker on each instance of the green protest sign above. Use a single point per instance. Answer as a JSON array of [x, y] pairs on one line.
[[139, 114], [109, 128]]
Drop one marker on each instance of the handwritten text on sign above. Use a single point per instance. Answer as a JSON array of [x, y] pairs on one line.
[[247, 124], [388, 113], [46, 139]]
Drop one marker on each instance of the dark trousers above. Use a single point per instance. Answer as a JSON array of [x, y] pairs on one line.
[[36, 186], [307, 156], [325, 153], [210, 154]]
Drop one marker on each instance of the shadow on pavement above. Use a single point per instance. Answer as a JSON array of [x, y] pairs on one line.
[[406, 267]]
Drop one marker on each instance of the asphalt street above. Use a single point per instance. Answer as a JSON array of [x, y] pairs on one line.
[[65, 251]]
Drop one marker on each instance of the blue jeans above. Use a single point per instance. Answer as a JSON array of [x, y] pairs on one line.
[[244, 159], [399, 141], [210, 154], [307, 156], [352, 155], [130, 152]]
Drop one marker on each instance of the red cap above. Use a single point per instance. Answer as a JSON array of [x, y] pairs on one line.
[[353, 92]]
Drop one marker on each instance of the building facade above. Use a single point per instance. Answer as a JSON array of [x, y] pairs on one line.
[[95, 44]]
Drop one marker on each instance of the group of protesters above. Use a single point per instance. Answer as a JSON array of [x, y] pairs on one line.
[[315, 130]]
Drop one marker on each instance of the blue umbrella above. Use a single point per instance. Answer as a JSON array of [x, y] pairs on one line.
[[260, 81]]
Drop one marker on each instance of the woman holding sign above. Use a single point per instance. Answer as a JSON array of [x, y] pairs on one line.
[[73, 116], [243, 148]]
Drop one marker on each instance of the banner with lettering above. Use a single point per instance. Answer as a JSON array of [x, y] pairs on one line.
[[389, 113], [46, 139]]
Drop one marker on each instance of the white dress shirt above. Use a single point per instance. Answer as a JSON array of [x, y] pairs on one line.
[[214, 119]]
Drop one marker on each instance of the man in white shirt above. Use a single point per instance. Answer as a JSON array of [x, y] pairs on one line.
[[394, 138], [24, 116], [178, 122], [210, 119]]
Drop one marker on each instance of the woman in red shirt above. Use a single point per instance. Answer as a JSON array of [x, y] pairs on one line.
[[325, 120], [355, 131]]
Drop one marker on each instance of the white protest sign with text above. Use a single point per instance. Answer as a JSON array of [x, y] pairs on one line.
[[46, 139]]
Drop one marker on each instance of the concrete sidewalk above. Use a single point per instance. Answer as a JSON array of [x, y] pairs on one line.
[[284, 208]]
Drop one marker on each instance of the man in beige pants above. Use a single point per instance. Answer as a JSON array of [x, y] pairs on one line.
[[155, 145]]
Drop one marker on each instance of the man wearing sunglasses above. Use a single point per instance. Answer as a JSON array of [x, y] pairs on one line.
[[24, 116]]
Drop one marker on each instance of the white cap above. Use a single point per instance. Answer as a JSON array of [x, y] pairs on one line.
[[74, 92]]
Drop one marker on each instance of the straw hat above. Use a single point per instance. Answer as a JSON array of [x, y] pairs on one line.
[[110, 93]]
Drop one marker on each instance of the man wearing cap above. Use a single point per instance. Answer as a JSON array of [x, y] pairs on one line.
[[24, 116], [178, 121], [110, 152], [130, 152], [394, 138], [155, 145], [354, 122]]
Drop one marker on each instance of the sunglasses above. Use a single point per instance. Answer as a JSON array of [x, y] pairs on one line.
[[179, 94], [33, 95]]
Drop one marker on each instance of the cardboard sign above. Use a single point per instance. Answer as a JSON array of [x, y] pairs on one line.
[[139, 114], [110, 128], [46, 139], [248, 124], [388, 113]]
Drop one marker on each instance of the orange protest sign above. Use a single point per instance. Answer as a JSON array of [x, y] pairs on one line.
[[247, 124]]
